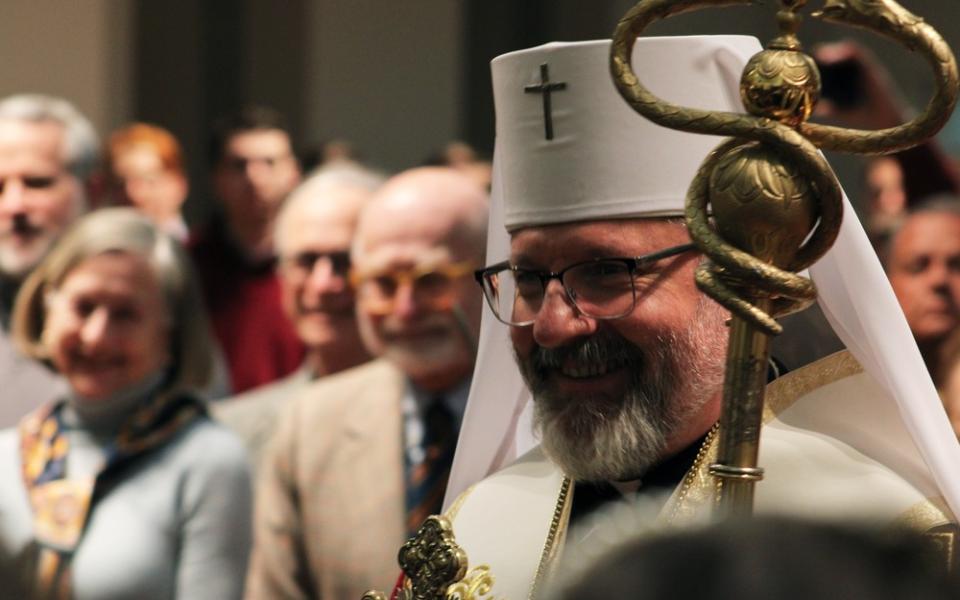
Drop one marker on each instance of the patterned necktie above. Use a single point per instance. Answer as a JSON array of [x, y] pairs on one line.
[[427, 480]]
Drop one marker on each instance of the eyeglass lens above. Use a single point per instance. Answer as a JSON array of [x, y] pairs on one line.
[[306, 261], [432, 289], [601, 289]]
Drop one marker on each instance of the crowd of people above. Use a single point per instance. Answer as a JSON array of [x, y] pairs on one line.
[[268, 404]]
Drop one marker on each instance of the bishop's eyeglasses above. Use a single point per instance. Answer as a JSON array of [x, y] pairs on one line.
[[602, 288]]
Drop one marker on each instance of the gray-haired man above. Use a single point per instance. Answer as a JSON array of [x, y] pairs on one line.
[[48, 150]]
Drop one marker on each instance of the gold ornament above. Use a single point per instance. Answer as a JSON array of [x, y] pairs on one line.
[[476, 585], [776, 204], [431, 562]]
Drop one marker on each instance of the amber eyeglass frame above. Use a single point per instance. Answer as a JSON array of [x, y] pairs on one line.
[[435, 300]]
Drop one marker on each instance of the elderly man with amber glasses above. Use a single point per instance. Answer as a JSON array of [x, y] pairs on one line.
[[362, 457]]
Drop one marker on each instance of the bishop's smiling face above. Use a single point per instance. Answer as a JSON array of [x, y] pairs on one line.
[[613, 396]]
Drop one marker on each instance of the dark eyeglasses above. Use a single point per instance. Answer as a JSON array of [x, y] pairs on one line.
[[602, 288], [303, 263]]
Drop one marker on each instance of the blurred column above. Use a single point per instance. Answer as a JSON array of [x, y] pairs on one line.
[[77, 50]]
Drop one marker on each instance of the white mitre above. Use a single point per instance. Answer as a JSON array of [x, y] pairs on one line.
[[606, 161]]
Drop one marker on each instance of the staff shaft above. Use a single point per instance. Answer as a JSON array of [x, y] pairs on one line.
[[748, 354]]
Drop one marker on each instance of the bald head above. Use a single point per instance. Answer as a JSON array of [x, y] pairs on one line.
[[434, 204], [331, 194], [417, 242]]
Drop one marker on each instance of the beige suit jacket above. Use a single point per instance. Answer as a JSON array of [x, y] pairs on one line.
[[329, 514], [253, 415]]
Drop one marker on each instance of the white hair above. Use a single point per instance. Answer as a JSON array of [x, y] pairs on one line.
[[81, 142], [320, 182], [592, 440]]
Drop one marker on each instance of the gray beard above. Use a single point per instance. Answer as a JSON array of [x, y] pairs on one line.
[[618, 439]]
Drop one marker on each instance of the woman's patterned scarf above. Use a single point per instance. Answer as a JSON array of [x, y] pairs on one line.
[[61, 505]]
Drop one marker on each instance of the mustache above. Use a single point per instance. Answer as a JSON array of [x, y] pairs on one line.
[[330, 308], [21, 225], [425, 323], [606, 349]]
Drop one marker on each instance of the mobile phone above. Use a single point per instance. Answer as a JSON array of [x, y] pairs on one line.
[[842, 83]]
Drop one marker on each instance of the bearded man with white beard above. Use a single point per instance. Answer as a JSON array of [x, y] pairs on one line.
[[591, 271], [607, 407], [48, 153], [363, 455]]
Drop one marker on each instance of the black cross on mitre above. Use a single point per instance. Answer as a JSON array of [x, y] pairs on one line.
[[545, 87]]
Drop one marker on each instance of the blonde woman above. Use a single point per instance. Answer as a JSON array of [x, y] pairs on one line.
[[124, 488]]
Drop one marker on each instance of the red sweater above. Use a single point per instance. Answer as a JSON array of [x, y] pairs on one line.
[[243, 299]]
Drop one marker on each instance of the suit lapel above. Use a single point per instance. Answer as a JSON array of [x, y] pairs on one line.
[[375, 404], [373, 452]]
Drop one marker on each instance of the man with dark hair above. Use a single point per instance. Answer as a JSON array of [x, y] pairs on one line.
[[922, 260], [254, 169]]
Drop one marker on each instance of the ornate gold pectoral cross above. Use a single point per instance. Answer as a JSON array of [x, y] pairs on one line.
[[435, 568]]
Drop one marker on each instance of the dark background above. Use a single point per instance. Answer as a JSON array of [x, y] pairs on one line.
[[398, 79]]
